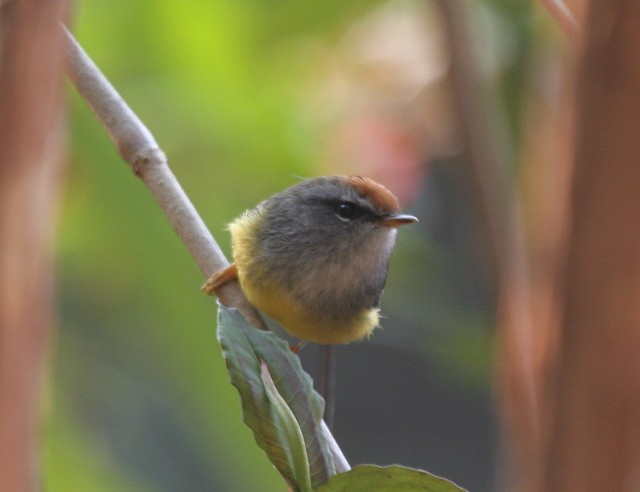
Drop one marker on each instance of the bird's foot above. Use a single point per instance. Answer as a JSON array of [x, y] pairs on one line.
[[220, 278], [298, 346]]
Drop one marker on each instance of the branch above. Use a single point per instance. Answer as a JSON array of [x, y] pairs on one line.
[[140, 150]]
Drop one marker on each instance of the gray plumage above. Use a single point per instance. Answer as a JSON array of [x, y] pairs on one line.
[[302, 228]]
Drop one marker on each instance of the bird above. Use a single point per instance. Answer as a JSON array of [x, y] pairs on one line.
[[315, 256]]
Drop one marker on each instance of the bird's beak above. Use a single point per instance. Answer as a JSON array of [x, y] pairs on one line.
[[397, 220]]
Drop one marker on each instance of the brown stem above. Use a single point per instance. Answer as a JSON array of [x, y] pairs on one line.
[[492, 159], [595, 412], [31, 146]]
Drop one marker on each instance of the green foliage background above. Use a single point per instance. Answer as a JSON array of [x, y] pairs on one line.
[[138, 396]]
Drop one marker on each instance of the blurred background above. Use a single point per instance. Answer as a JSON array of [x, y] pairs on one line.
[[245, 97]]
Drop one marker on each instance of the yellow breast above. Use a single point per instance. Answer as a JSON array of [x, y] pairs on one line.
[[278, 303]]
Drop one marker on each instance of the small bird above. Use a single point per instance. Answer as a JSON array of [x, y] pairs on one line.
[[315, 257]]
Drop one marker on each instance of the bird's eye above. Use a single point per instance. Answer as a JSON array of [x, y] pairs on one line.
[[348, 210]]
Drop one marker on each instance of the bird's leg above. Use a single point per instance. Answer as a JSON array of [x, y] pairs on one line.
[[298, 346], [223, 277], [220, 278]]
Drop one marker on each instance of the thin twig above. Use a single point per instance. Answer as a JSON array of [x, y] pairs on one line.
[[341, 463], [327, 382], [139, 149]]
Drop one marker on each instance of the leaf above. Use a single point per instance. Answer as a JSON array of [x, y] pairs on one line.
[[296, 452], [388, 478], [244, 347]]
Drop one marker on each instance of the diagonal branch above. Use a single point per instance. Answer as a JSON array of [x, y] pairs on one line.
[[139, 149]]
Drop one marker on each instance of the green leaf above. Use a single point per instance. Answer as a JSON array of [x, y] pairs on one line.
[[296, 453], [244, 347], [388, 478]]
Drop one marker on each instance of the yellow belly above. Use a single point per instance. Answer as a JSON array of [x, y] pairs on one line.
[[296, 320], [280, 305]]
